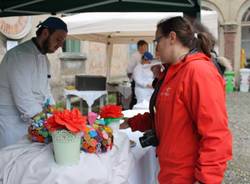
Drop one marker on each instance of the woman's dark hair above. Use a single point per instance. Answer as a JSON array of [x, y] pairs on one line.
[[40, 29], [186, 34], [204, 35]]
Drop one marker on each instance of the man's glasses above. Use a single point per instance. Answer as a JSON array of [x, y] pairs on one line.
[[157, 40]]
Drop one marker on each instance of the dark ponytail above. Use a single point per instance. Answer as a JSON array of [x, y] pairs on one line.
[[203, 43]]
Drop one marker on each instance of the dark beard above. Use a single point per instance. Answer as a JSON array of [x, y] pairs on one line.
[[45, 46]]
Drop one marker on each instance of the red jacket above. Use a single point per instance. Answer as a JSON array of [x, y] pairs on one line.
[[191, 123]]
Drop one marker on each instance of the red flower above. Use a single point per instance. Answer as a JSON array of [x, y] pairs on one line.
[[111, 111], [69, 120]]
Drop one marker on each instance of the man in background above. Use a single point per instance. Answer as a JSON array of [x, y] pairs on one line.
[[142, 47]]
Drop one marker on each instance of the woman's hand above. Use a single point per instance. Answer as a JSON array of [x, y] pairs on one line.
[[125, 124]]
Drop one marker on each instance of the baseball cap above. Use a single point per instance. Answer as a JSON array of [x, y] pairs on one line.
[[54, 23], [147, 56]]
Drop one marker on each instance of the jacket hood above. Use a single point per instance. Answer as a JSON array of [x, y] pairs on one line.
[[197, 56]]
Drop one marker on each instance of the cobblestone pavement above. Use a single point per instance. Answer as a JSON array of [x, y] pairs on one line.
[[238, 106]]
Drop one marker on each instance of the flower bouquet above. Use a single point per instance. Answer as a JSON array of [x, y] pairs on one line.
[[66, 127], [97, 139], [112, 115], [37, 132]]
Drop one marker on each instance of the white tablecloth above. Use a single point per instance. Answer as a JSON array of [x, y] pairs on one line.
[[26, 163], [145, 169], [146, 165]]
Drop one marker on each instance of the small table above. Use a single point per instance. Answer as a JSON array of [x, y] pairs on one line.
[[88, 96]]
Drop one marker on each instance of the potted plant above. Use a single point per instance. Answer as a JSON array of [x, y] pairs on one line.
[[66, 127]]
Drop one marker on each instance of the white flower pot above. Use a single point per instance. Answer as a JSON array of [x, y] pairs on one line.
[[66, 147]]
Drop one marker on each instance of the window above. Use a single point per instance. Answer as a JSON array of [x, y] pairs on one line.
[[246, 16], [72, 46]]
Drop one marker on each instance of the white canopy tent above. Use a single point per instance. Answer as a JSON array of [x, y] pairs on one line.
[[123, 28]]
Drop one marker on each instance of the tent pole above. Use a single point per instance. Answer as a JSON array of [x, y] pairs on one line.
[[109, 51]]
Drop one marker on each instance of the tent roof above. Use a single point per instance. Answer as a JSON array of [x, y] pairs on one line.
[[114, 27], [124, 27], [37, 7]]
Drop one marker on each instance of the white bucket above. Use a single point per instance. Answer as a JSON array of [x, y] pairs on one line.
[[66, 147], [244, 79], [115, 126], [113, 123]]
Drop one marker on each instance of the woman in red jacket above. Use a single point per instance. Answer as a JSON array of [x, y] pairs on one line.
[[188, 109]]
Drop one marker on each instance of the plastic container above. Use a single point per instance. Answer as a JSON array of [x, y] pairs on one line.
[[229, 77], [66, 147], [244, 79]]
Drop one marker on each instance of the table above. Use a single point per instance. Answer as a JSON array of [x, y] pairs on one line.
[[88, 96], [121, 165], [145, 170], [26, 163]]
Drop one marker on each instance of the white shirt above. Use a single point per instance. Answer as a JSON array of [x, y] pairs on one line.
[[24, 87], [135, 59], [143, 76]]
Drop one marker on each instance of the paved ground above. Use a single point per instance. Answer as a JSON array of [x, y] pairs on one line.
[[238, 105]]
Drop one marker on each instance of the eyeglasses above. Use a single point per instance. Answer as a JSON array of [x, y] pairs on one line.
[[157, 40]]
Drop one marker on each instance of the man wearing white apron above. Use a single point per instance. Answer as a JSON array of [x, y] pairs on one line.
[[143, 77], [24, 85]]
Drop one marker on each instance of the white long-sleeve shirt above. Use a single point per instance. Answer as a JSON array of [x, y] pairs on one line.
[[143, 76], [24, 87]]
